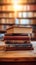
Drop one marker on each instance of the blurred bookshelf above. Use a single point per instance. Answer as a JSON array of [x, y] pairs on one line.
[[25, 14]]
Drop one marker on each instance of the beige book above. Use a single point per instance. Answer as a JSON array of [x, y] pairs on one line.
[[19, 29]]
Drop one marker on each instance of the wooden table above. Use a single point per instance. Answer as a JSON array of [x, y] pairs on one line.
[[19, 57]]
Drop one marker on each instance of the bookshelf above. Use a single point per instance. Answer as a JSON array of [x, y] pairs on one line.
[[26, 12]]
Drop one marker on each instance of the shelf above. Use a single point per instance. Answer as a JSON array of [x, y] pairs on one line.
[[6, 24], [2, 31], [26, 18], [17, 18], [7, 17], [1, 4], [18, 3], [27, 3], [19, 24], [16, 11], [6, 11]]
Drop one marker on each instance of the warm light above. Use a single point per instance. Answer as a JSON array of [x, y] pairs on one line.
[[15, 5]]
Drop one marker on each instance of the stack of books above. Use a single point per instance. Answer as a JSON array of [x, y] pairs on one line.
[[17, 40]]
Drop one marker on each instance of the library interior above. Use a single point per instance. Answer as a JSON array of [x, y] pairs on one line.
[[18, 32]]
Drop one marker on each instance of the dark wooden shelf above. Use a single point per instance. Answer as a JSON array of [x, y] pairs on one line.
[[16, 11], [7, 17], [27, 11], [6, 11], [18, 3], [26, 18], [17, 18], [6, 24], [2, 31], [18, 24], [1, 4], [27, 3]]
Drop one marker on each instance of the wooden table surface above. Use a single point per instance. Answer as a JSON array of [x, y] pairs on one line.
[[15, 56]]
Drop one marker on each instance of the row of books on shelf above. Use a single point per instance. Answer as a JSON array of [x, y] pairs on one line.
[[19, 8], [7, 15], [18, 21], [10, 21], [18, 14], [25, 1], [4, 27]]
